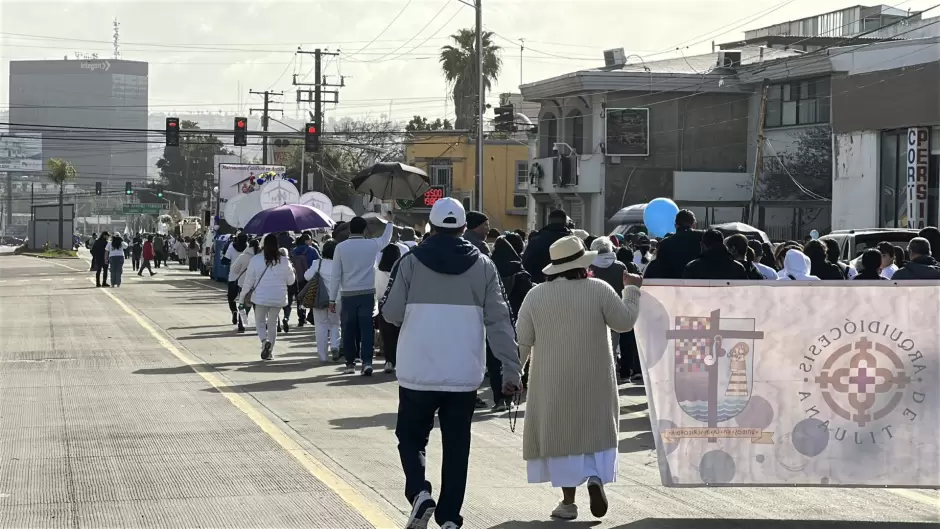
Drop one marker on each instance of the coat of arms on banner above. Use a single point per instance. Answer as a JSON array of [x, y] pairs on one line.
[[714, 372]]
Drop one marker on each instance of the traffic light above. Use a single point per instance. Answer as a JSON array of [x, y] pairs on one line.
[[505, 119], [241, 132], [98, 189], [159, 192], [128, 188], [173, 132], [311, 138]]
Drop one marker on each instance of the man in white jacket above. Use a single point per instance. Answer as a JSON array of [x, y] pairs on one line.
[[353, 282]]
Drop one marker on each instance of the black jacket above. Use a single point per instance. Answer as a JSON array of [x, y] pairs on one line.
[[924, 267], [536, 256], [715, 263], [751, 271], [516, 281], [97, 249], [826, 271], [676, 252]]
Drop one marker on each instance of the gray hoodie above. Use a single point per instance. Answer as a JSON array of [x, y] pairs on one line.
[[448, 300]]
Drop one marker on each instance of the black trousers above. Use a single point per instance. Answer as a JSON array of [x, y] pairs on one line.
[[135, 261], [494, 369], [629, 355], [102, 268], [301, 311], [193, 264], [416, 410], [146, 264], [232, 295], [389, 333]]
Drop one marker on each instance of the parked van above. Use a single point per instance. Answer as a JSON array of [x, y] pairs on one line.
[[628, 220]]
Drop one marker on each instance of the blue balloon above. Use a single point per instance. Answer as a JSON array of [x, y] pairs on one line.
[[660, 216]]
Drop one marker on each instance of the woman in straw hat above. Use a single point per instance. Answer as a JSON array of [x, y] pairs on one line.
[[572, 409]]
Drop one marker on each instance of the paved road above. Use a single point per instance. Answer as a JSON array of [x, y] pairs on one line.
[[140, 407]]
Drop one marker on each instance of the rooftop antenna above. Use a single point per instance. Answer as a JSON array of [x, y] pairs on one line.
[[117, 38]]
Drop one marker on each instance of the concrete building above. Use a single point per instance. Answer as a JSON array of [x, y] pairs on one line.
[[692, 129], [449, 158], [92, 113], [627, 133]]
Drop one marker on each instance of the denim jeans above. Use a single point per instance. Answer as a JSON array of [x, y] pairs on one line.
[[117, 269], [356, 319]]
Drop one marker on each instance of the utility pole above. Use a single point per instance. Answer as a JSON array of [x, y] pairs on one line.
[[481, 103], [315, 96], [758, 162], [264, 118]]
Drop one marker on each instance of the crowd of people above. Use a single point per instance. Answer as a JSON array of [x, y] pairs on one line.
[[109, 254], [466, 303]]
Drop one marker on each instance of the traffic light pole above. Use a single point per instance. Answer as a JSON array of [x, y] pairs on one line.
[[318, 85], [264, 119]]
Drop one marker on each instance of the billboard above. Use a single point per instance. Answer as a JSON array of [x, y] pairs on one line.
[[787, 383], [628, 131], [21, 152], [237, 178]]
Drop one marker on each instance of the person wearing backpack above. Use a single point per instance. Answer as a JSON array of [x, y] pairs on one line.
[[302, 257], [326, 323]]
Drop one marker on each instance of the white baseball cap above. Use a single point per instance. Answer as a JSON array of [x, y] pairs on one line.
[[448, 213]]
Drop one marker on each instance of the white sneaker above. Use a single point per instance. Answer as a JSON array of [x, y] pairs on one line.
[[565, 512], [389, 367], [450, 525], [422, 510]]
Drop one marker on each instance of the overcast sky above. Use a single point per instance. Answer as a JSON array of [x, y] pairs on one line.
[[206, 55]]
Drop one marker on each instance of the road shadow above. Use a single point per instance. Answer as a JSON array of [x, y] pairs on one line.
[[738, 523], [631, 408], [632, 390], [547, 524], [387, 420], [641, 442]]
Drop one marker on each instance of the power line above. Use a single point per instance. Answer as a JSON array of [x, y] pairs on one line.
[[408, 3]]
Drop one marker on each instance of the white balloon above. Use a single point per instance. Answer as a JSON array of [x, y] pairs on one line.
[[317, 200], [342, 213], [274, 193], [247, 208]]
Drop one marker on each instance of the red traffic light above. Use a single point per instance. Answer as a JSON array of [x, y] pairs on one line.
[[311, 130], [171, 124], [240, 124]]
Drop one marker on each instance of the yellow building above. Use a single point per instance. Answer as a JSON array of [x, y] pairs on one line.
[[449, 157]]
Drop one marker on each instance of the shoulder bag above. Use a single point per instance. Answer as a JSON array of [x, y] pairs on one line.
[[311, 291], [251, 290]]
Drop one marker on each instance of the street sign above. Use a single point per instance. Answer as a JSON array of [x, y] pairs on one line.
[[142, 208], [109, 211]]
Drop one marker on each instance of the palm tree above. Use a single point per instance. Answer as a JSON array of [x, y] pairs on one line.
[[60, 172], [459, 63]]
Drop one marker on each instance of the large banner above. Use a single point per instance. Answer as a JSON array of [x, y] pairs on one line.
[[794, 383], [236, 178]]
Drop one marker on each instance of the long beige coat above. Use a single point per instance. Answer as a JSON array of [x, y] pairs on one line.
[[572, 406]]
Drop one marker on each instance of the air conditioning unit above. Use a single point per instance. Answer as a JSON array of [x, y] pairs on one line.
[[615, 57], [729, 59]]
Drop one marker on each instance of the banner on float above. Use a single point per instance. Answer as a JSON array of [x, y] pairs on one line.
[[793, 384]]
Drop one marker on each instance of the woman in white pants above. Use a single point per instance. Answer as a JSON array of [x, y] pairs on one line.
[[268, 276], [325, 322]]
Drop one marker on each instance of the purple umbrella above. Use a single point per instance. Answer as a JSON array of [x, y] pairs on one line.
[[289, 217]]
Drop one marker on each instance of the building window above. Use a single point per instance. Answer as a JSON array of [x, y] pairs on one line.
[[520, 201], [575, 125], [522, 175], [548, 134], [798, 103], [442, 175]]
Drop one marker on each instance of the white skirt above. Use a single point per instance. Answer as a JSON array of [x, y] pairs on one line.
[[573, 471]]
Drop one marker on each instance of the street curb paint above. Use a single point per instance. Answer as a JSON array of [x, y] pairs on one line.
[[372, 513]]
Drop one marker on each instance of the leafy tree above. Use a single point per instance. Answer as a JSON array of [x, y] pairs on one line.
[[354, 144], [185, 169], [420, 123], [60, 173], [459, 63]]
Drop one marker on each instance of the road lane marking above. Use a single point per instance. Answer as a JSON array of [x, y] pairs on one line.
[[919, 497], [368, 510], [51, 261]]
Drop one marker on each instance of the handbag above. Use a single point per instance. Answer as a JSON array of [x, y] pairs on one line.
[[251, 291], [311, 291]]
